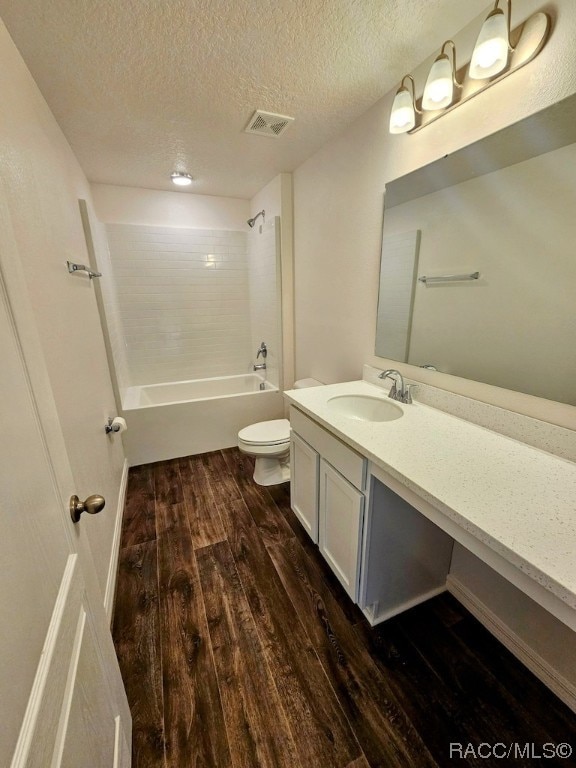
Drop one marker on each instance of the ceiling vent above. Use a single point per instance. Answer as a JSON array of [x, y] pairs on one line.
[[268, 124]]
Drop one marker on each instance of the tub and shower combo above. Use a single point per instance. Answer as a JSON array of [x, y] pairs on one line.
[[187, 417], [186, 312]]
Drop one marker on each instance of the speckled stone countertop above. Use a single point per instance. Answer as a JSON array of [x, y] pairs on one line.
[[518, 500]]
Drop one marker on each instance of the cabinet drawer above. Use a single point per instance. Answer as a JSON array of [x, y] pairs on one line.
[[349, 463]]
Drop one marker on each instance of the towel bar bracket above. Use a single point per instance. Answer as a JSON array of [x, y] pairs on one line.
[[82, 268]]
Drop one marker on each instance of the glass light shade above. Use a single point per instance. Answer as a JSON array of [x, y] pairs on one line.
[[439, 89], [403, 115], [181, 179], [490, 54]]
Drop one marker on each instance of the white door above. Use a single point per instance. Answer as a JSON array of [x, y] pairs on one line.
[[62, 699], [340, 526], [304, 462]]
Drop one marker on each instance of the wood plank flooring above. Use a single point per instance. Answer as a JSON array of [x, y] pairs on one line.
[[239, 649]]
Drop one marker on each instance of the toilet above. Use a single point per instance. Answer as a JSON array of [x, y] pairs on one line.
[[269, 443]]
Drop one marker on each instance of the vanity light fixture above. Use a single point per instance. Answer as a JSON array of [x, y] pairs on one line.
[[181, 179], [490, 54], [499, 51], [439, 88], [403, 115]]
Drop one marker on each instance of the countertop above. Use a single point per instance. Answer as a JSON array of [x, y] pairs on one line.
[[518, 500]]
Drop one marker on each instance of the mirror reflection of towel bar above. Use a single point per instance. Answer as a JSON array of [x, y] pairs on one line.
[[82, 268], [449, 278]]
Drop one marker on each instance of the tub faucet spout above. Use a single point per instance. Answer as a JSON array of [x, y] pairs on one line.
[[259, 366]]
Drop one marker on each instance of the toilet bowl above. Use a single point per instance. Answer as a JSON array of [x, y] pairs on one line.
[[269, 443]]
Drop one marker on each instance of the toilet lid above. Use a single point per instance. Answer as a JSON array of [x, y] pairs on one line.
[[266, 432]]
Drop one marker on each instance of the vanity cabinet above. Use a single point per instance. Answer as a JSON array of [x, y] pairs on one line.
[[387, 556], [327, 484]]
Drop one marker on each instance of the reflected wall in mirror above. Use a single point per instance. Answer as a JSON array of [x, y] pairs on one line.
[[504, 207]]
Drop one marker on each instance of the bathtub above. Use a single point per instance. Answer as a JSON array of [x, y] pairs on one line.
[[182, 418]]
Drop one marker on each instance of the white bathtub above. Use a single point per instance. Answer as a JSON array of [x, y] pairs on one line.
[[182, 418]]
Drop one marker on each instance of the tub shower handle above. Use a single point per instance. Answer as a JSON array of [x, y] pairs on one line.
[[263, 350]]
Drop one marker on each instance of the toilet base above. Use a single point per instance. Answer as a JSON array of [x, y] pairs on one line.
[[271, 471]]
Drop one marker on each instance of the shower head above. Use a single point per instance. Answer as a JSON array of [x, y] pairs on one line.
[[251, 222]]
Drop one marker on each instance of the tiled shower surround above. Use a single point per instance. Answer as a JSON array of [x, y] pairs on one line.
[[184, 301]]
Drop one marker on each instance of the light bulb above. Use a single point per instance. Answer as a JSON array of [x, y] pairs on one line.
[[439, 89], [181, 179], [490, 54], [403, 116]]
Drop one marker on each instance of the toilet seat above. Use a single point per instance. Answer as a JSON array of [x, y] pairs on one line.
[[275, 432]]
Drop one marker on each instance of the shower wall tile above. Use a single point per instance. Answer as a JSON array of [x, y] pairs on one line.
[[183, 301]]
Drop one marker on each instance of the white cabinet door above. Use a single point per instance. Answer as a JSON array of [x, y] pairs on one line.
[[304, 463], [341, 515]]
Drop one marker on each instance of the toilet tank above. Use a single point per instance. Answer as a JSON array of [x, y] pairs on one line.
[[303, 383]]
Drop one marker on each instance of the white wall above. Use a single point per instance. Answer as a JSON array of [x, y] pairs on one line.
[[149, 207], [543, 633], [338, 202], [42, 182]]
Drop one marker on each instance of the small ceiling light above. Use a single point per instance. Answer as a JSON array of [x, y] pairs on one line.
[[403, 115], [439, 88], [490, 54], [181, 179]]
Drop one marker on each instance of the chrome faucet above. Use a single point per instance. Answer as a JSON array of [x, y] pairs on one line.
[[398, 391], [262, 350]]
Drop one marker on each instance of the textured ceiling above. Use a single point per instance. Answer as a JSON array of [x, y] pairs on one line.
[[143, 87]]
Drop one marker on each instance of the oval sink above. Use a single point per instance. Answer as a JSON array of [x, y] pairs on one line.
[[364, 408]]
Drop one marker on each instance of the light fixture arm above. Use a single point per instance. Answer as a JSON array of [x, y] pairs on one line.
[[508, 19], [409, 77], [452, 45]]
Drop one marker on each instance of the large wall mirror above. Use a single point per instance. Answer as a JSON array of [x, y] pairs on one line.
[[478, 269]]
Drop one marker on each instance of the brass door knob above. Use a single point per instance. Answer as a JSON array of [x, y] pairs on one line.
[[92, 505]]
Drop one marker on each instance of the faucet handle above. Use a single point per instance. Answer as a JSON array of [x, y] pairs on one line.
[[408, 393], [263, 350]]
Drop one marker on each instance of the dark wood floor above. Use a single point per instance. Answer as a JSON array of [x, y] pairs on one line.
[[239, 648]]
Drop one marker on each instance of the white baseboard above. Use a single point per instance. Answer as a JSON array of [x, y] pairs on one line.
[[561, 687], [113, 566]]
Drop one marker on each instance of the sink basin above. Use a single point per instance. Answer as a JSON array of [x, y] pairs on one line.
[[364, 408]]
